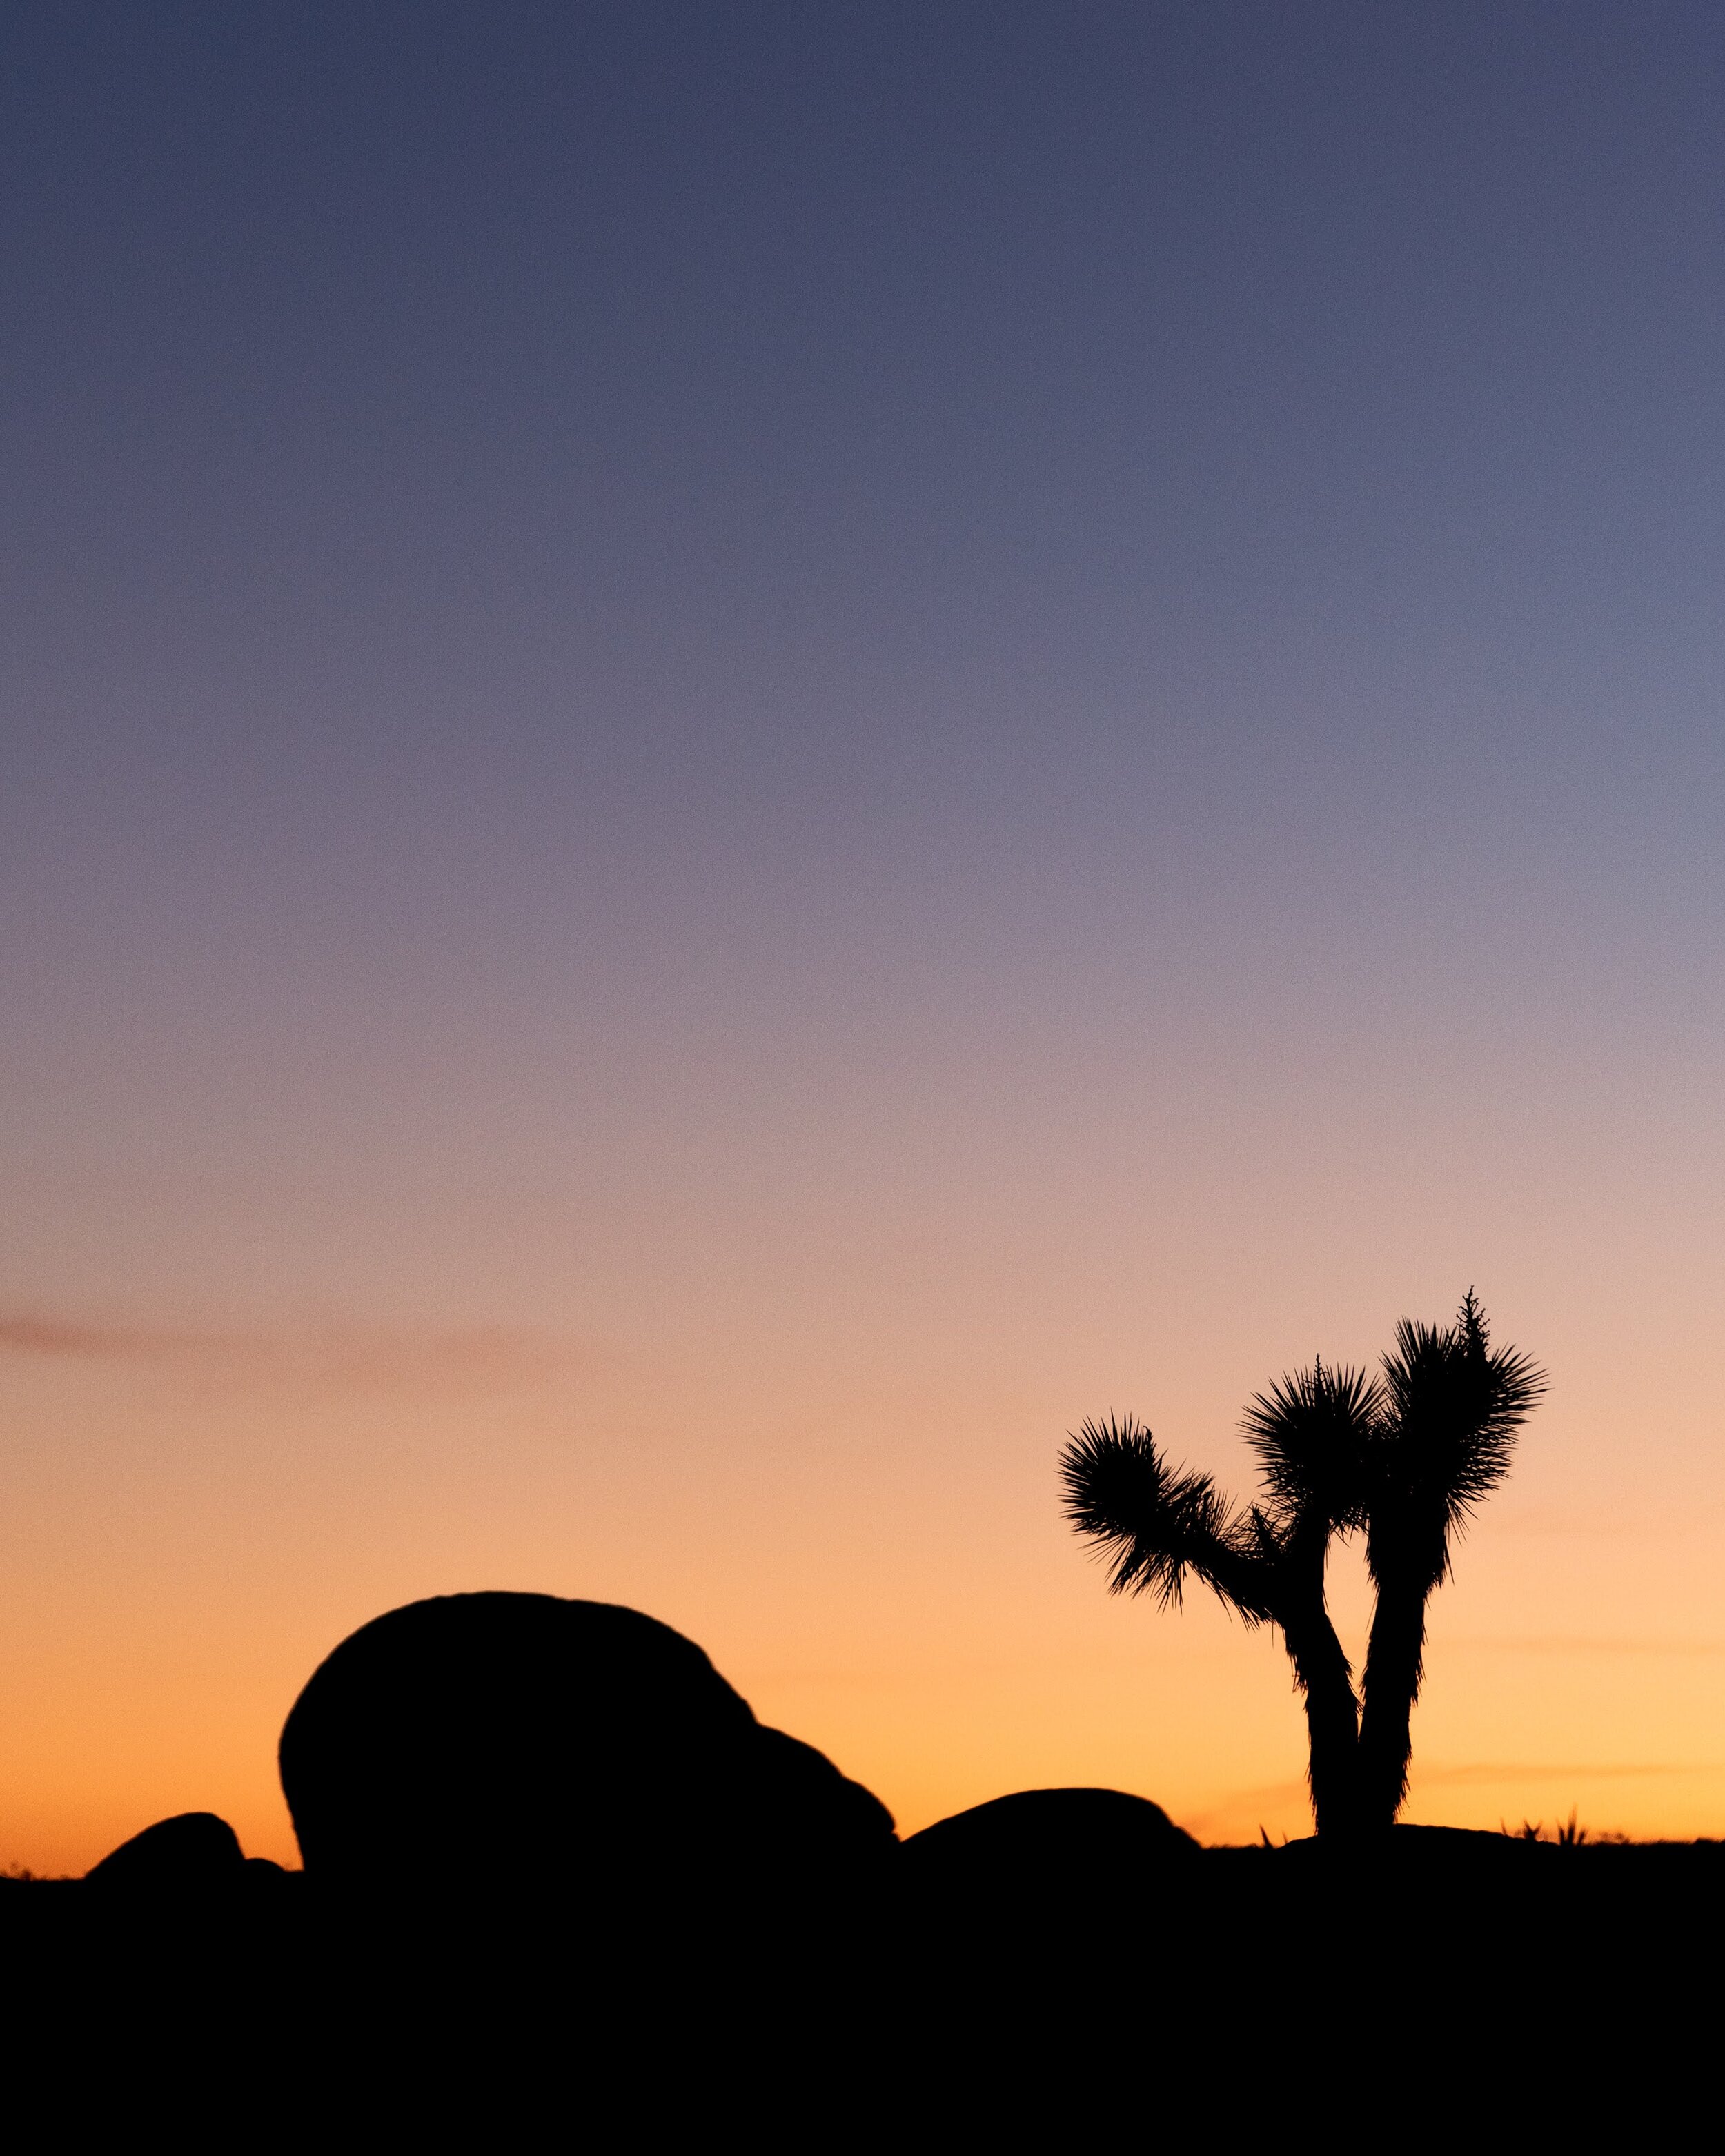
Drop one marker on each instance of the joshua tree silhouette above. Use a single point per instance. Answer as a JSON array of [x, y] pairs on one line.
[[1404, 1458], [1451, 1410]]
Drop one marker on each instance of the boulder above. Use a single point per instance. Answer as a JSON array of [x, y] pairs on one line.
[[494, 1745], [799, 1811], [191, 1852], [1065, 1847]]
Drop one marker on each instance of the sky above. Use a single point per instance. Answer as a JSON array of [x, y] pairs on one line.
[[749, 751]]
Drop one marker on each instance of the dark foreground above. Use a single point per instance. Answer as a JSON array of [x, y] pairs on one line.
[[562, 1886], [1041, 1973]]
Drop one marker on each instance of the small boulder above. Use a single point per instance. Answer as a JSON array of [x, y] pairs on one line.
[[1059, 1846], [189, 1853], [793, 1804]]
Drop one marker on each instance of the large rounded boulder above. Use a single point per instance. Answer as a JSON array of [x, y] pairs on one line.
[[496, 1742]]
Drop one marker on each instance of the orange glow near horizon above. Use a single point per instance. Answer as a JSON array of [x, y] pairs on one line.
[[877, 1561]]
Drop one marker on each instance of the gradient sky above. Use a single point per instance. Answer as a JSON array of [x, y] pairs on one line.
[[751, 749]]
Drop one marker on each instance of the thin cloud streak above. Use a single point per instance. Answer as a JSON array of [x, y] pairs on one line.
[[1486, 1774], [55, 1336], [339, 1357], [1580, 1644]]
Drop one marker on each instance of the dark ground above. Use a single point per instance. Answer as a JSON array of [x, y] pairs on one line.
[[1443, 1988]]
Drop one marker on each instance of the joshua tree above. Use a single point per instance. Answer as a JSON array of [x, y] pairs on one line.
[[1311, 1433], [1406, 1459], [1451, 1410]]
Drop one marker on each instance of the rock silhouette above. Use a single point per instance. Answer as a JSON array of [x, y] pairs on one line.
[[191, 1850], [1029, 1857], [1067, 1837], [502, 1742]]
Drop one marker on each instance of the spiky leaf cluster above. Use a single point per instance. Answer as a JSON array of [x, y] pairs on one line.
[[1154, 1523], [1313, 1434], [1452, 1408]]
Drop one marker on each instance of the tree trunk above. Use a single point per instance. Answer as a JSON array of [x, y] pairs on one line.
[[1331, 1721], [1324, 1676], [1394, 1666]]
